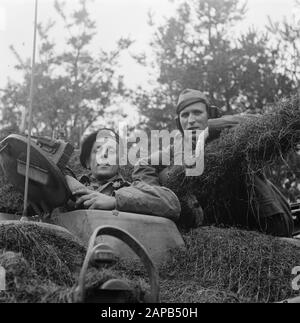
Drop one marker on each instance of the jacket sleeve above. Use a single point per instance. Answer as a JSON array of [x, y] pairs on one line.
[[147, 199]]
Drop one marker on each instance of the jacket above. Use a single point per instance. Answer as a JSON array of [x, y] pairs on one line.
[[141, 196]]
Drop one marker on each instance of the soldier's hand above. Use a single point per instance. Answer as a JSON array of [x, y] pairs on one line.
[[94, 200], [82, 191]]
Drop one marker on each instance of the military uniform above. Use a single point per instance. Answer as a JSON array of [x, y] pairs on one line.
[[269, 212], [191, 215], [141, 196]]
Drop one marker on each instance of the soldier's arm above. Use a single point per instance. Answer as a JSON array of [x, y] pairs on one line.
[[147, 199]]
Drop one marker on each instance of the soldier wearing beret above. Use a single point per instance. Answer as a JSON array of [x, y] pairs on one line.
[[106, 189]]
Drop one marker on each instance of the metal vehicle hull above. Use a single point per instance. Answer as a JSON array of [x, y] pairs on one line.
[[158, 235]]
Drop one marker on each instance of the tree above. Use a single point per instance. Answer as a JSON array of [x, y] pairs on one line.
[[259, 81], [73, 88], [191, 51], [287, 44], [197, 49]]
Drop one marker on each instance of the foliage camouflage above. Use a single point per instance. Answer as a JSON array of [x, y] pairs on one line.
[[219, 265], [232, 161]]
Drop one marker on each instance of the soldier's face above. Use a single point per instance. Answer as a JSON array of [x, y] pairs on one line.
[[194, 117], [104, 158]]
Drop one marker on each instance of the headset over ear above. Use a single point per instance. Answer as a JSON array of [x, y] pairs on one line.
[[214, 112]]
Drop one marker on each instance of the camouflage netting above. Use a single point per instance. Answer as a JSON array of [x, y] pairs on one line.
[[232, 161], [219, 265], [228, 266], [55, 255], [11, 201], [43, 265]]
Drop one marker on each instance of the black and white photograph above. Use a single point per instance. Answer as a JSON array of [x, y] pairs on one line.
[[149, 154]]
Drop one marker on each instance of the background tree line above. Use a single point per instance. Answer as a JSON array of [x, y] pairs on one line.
[[198, 47], [73, 87]]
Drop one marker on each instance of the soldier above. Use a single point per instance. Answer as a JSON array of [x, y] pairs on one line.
[[271, 213], [106, 189]]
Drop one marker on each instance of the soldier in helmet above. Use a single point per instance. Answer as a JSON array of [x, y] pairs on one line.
[[271, 213]]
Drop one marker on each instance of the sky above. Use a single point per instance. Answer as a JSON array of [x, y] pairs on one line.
[[115, 18]]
